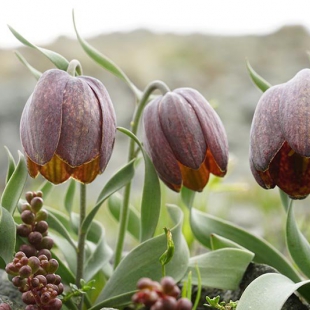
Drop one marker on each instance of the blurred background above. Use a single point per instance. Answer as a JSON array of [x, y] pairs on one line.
[[199, 44]]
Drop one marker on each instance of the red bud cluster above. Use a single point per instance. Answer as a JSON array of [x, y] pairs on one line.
[[33, 267], [160, 296]]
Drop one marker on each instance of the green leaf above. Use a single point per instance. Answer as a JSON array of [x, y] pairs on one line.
[[260, 82], [218, 242], [142, 261], [60, 227], [115, 203], [297, 244], [269, 292], [46, 188], [59, 61], [8, 235], [151, 196], [204, 225], [101, 253], [222, 269], [70, 196], [15, 186], [37, 74], [104, 61], [11, 165], [119, 180]]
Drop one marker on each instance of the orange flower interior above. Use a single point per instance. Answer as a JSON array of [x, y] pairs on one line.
[[57, 171]]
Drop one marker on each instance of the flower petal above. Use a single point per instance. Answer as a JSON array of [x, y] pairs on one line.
[[41, 118], [56, 170], [108, 120], [211, 125], [291, 172], [80, 137], [86, 173], [33, 168], [158, 147], [182, 130], [266, 133], [195, 180], [295, 112]]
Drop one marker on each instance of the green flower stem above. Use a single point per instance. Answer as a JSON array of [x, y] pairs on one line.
[[81, 241], [132, 153], [73, 67]]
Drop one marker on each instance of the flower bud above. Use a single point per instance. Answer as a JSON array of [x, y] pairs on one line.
[[41, 215], [23, 230], [27, 217], [68, 128], [25, 271], [29, 196], [184, 304], [35, 238], [36, 204], [28, 249], [52, 265], [28, 298], [41, 226], [34, 263]]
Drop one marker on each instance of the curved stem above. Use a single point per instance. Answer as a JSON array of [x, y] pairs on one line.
[[134, 128], [81, 241], [74, 66]]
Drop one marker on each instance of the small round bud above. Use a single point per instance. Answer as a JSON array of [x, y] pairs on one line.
[[11, 269], [184, 304], [167, 303], [23, 261], [167, 284], [41, 279], [25, 206], [29, 196], [41, 215], [34, 263], [55, 304], [45, 298], [38, 194], [60, 288], [20, 254], [28, 298], [41, 227], [51, 278], [5, 306], [58, 279], [52, 265], [144, 283], [25, 271], [23, 230], [45, 252], [35, 238], [36, 204], [27, 217], [46, 243], [29, 250]]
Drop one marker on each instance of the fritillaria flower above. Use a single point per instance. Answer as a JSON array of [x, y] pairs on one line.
[[68, 127], [280, 137], [185, 139]]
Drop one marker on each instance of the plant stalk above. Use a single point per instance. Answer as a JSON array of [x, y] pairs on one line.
[[81, 241], [131, 155]]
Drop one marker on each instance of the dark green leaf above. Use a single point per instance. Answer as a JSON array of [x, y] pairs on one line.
[[8, 235], [143, 261], [222, 269], [297, 244], [15, 186], [70, 196], [269, 292], [204, 225], [37, 74], [260, 82], [151, 196], [118, 181], [11, 165], [104, 61], [59, 61], [115, 203]]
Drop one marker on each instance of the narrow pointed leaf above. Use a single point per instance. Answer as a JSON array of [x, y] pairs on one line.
[[11, 165], [151, 196], [222, 269], [115, 203], [118, 181], [15, 186], [297, 244], [70, 196], [260, 82], [143, 262], [8, 235], [101, 253], [268, 292], [59, 61], [104, 61], [204, 225], [37, 74], [219, 242]]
